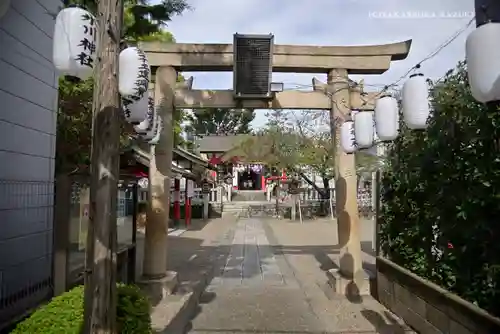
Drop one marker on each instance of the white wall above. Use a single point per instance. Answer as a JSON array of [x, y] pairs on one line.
[[28, 103]]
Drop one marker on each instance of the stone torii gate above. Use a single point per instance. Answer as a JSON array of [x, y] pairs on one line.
[[338, 96]]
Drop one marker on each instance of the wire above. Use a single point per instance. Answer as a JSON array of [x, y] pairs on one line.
[[386, 87], [352, 84], [433, 53]]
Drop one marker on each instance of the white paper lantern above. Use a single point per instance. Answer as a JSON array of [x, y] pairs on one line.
[[416, 108], [134, 73], [135, 111], [74, 42], [483, 62], [347, 139], [363, 129], [151, 132], [386, 118], [142, 127], [145, 125], [159, 128]]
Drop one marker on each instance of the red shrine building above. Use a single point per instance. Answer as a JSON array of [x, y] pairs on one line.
[[222, 151]]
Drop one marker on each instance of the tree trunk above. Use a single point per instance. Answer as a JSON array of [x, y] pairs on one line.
[[312, 184], [326, 185], [326, 197]]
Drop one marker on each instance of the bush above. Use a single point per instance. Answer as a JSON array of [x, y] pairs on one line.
[[132, 313], [440, 196], [64, 314]]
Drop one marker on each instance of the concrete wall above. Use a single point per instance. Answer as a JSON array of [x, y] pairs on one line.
[[426, 307], [28, 104]]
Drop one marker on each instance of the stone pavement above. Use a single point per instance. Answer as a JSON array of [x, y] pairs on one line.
[[269, 277], [193, 254]]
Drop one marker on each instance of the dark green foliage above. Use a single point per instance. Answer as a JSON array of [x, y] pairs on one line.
[[64, 314], [132, 313], [142, 17], [74, 125], [148, 18], [441, 191], [220, 121]]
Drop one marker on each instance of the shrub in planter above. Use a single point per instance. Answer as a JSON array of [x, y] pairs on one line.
[[64, 314]]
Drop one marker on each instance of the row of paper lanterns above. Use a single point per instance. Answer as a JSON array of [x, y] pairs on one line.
[[483, 70], [75, 53], [382, 125]]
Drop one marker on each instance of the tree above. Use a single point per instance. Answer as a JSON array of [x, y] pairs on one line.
[[220, 121], [143, 22], [440, 195], [318, 148], [142, 18], [318, 151], [274, 146], [299, 143], [74, 125]]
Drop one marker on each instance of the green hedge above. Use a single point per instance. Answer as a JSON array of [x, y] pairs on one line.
[[441, 196], [64, 314]]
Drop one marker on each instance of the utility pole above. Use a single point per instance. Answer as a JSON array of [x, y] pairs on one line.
[[100, 274]]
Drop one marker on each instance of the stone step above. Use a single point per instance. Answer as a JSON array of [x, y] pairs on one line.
[[249, 195]]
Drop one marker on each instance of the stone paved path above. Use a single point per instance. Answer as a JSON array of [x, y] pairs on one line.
[[260, 288], [251, 259]]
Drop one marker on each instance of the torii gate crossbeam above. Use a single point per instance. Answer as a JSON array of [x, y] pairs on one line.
[[370, 59], [338, 96]]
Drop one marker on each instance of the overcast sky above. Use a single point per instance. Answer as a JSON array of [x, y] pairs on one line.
[[330, 22]]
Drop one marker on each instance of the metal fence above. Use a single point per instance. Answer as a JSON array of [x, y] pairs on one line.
[[26, 214], [310, 199], [310, 194], [197, 198]]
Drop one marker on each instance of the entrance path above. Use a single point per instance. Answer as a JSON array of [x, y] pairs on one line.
[[272, 280]]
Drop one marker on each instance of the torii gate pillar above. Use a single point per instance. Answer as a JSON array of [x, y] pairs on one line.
[[156, 280], [345, 183]]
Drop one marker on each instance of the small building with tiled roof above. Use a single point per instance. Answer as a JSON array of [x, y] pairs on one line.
[[236, 155]]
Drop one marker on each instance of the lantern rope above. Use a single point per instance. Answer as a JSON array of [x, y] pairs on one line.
[[342, 117], [434, 53], [386, 87]]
